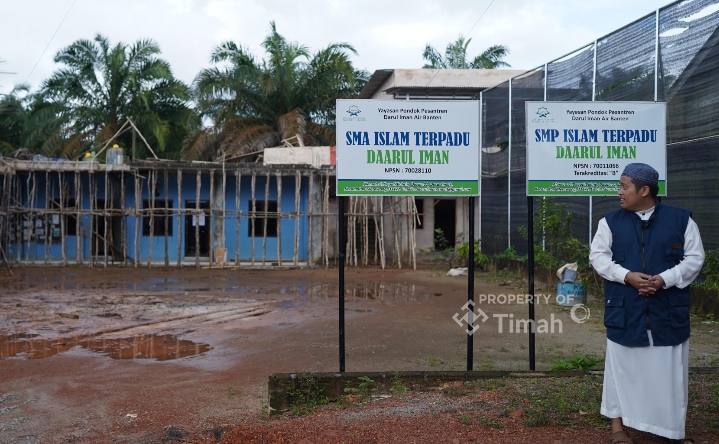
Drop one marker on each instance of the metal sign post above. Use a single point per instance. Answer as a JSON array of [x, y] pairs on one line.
[[412, 148], [342, 248]]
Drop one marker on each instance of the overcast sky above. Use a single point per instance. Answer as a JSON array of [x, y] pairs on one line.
[[387, 34]]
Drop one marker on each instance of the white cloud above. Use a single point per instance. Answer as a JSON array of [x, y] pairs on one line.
[[386, 34]]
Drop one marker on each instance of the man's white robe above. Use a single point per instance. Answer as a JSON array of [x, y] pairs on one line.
[[648, 386]]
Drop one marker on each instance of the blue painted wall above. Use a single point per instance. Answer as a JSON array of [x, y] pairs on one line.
[[156, 250]]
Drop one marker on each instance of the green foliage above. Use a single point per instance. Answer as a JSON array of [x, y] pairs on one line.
[[466, 420], [489, 422], [398, 387], [455, 56], [14, 108], [365, 386], [510, 253], [255, 104], [581, 362], [555, 402], [480, 260], [306, 395], [710, 271], [456, 254], [554, 226], [85, 102]]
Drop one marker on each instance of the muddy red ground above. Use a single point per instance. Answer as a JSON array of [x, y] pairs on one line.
[[239, 326]]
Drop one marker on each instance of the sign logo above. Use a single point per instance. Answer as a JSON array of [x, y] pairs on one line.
[[353, 110], [542, 112]]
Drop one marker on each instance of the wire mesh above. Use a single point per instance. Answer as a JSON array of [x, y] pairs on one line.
[[686, 35]]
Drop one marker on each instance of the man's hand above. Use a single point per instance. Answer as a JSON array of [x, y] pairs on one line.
[[647, 285], [640, 281], [656, 282]]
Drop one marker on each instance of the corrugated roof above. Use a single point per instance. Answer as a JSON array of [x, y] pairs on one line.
[[375, 82]]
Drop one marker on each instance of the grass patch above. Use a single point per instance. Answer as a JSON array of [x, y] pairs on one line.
[[398, 387], [487, 421], [306, 395]]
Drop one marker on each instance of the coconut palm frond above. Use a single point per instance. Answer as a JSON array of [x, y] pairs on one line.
[[198, 145]]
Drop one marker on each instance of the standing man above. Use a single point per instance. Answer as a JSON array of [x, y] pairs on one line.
[[648, 254]]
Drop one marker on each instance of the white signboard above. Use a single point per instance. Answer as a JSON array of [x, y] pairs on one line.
[[581, 148], [407, 148]]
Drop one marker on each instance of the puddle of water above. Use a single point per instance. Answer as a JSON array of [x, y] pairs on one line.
[[393, 292], [158, 347]]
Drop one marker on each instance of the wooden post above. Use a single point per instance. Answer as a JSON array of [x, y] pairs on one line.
[[310, 210], [105, 218], [298, 184], [224, 210], [264, 219], [210, 219], [78, 218], [48, 231], [151, 184], [138, 219], [197, 219], [167, 217], [123, 225], [62, 221], [238, 212], [252, 217], [279, 218], [325, 221], [179, 218]]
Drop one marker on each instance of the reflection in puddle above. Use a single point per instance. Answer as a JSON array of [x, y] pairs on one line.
[[159, 347], [378, 291]]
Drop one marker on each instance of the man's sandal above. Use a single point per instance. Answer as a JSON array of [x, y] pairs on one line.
[[620, 437], [676, 441]]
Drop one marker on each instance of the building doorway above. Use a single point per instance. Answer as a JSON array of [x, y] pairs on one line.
[[445, 214], [203, 222]]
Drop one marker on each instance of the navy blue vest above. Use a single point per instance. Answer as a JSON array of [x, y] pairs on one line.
[[651, 247]]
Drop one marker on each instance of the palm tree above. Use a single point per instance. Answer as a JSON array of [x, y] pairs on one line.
[[256, 104], [85, 103], [13, 118], [455, 56]]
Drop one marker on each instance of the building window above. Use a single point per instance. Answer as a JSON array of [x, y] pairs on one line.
[[69, 220], [419, 203], [259, 218], [162, 217]]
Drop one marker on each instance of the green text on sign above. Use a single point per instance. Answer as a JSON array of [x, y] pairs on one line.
[[408, 187]]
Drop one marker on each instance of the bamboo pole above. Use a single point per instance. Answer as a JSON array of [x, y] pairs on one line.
[[179, 218], [365, 231], [211, 217], [123, 225], [223, 215], [28, 216], [105, 218], [198, 184], [151, 184], [62, 221], [279, 218], [383, 256], [298, 184], [238, 175], [138, 220], [167, 218], [78, 219], [325, 221], [252, 216], [48, 233], [310, 210], [264, 219]]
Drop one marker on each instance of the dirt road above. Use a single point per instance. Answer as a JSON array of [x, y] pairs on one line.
[[124, 355]]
